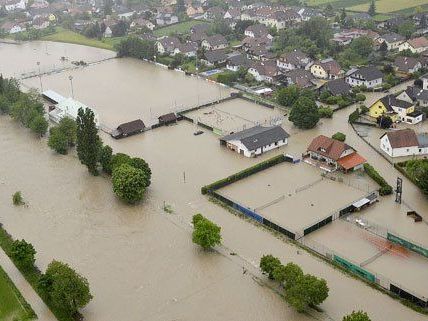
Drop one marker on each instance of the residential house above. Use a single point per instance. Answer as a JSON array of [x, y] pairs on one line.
[[415, 45], [404, 142], [188, 49], [393, 40], [168, 45], [368, 76], [142, 23], [407, 65], [396, 109], [40, 23], [307, 13], [266, 71], [192, 11], [260, 53], [233, 13], [337, 87], [331, 154], [12, 27], [257, 31], [214, 13], [326, 69], [294, 60], [415, 95], [214, 42], [200, 28], [255, 141], [12, 5], [345, 37], [163, 19], [300, 77], [214, 57], [235, 62]]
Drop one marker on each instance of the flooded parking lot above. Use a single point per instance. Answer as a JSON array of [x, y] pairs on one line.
[[140, 261]]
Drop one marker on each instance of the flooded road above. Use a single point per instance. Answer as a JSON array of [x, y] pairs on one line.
[[140, 261]]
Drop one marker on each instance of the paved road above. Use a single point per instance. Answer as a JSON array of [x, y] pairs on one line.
[[42, 311]]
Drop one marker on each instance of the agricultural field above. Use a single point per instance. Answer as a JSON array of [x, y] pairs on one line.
[[12, 305], [182, 27], [337, 3], [386, 6]]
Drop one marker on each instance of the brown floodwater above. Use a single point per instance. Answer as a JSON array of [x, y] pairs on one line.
[[140, 261]]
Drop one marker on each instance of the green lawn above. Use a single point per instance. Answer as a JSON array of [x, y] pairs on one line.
[[64, 35], [12, 304], [386, 6], [182, 27]]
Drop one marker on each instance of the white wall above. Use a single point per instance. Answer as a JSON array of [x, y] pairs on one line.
[[399, 152]]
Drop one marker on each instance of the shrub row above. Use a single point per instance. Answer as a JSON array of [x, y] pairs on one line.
[[242, 174], [385, 188]]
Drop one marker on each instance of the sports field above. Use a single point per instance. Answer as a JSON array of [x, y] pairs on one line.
[[12, 306], [386, 6]]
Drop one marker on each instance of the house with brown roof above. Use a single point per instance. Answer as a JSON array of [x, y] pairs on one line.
[[331, 155], [300, 77], [214, 42], [128, 129], [404, 142], [266, 71], [407, 65], [326, 69], [295, 59], [257, 31], [415, 45]]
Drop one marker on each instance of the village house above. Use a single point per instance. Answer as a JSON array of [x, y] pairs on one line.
[[192, 11], [214, 42], [331, 155], [233, 13], [266, 71], [257, 31], [235, 62], [346, 36], [368, 76], [393, 40], [407, 65], [12, 27], [307, 13], [168, 45], [214, 13], [300, 77], [396, 109], [40, 23], [415, 95], [255, 141], [188, 49], [404, 142], [336, 87], [326, 69], [214, 58], [294, 60], [164, 19], [415, 45], [12, 5], [142, 23]]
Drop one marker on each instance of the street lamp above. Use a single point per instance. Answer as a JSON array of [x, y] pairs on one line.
[[40, 77], [71, 83]]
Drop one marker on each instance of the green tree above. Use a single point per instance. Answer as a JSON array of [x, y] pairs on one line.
[[106, 156], [4, 105], [287, 96], [39, 125], [120, 159], [88, 142], [205, 233], [69, 128], [66, 288], [406, 29], [362, 46], [372, 8], [308, 290], [339, 136], [23, 253], [304, 113], [292, 273], [129, 183], [17, 199], [58, 141], [279, 273], [356, 316], [135, 47], [141, 164], [325, 112], [268, 264]]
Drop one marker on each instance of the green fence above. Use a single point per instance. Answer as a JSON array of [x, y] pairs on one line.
[[354, 269], [409, 245]]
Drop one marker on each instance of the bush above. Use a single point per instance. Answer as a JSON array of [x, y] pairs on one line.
[[339, 136], [58, 141], [385, 188], [129, 183], [360, 97], [17, 198], [324, 96], [332, 100], [242, 174], [353, 117], [363, 109], [325, 112], [205, 233], [23, 253], [268, 264]]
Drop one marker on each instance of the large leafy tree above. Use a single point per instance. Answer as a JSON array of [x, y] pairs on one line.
[[23, 253], [205, 233], [304, 113], [106, 156], [69, 127], [129, 183], [287, 96], [372, 8], [268, 264], [357, 316], [39, 125], [58, 141], [65, 287], [88, 141], [308, 290]]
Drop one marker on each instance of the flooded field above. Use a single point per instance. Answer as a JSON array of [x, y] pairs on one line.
[[140, 261], [295, 196], [236, 115], [123, 90], [375, 254]]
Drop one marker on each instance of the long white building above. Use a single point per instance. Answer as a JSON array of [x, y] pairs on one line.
[[404, 142]]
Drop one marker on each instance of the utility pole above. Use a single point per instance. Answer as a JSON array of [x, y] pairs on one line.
[[40, 77], [71, 83]]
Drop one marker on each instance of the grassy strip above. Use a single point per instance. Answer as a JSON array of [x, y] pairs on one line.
[[12, 300], [244, 173], [401, 167], [68, 36], [32, 276], [181, 27], [385, 188]]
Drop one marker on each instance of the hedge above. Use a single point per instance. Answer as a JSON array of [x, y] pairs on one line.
[[385, 188], [242, 174]]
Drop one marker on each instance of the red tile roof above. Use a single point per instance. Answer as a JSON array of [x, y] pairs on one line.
[[352, 160], [328, 147]]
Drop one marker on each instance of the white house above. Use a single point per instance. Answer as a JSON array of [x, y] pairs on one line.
[[416, 45], [404, 142], [415, 95], [370, 76], [392, 40], [256, 140], [69, 107], [13, 5]]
